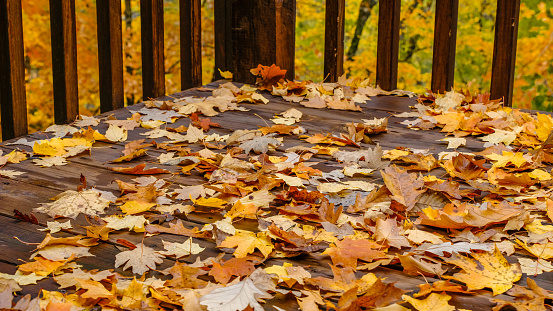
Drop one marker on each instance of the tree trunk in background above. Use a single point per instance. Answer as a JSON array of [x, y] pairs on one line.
[[128, 25], [365, 10]]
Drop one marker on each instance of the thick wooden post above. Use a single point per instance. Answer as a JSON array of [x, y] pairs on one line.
[[64, 60], [110, 54], [334, 39], [262, 33], [445, 36], [387, 53], [153, 69], [13, 103], [190, 12], [222, 12], [505, 50]]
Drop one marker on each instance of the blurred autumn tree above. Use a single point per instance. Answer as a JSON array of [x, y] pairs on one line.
[[473, 62]]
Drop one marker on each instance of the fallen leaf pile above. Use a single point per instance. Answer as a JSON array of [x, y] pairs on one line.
[[228, 219]]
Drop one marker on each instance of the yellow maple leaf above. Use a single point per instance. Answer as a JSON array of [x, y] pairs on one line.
[[240, 210], [507, 158], [490, 270], [42, 266], [211, 202], [544, 124], [434, 302], [94, 289], [246, 242], [135, 207], [542, 251]]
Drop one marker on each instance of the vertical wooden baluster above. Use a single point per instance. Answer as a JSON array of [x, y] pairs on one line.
[[223, 36], [334, 39], [64, 60], [190, 43], [153, 69], [445, 36], [505, 50], [286, 36], [110, 54], [13, 103], [387, 54]]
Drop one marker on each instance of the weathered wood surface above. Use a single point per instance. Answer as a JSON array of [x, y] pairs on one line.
[[40, 184]]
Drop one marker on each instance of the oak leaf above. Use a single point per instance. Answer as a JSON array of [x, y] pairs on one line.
[[141, 259]]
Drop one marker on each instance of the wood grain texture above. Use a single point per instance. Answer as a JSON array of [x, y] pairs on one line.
[[13, 102], [334, 39], [286, 36], [445, 36], [222, 12], [64, 60], [387, 53], [190, 43], [505, 50], [110, 54], [259, 34], [153, 69]]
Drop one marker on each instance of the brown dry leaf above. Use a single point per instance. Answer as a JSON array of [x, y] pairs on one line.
[[268, 76], [343, 105], [139, 170], [178, 229], [346, 253], [223, 271], [403, 186], [441, 286], [185, 276], [417, 265], [490, 270], [380, 295], [389, 231]]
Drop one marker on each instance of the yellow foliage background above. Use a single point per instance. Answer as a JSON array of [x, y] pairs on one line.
[[473, 62]]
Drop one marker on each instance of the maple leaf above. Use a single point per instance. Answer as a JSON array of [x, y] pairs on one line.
[[289, 273], [268, 76], [440, 286], [71, 203], [177, 228], [181, 249], [130, 222], [344, 280], [434, 302], [42, 266], [260, 144], [141, 259], [346, 253], [94, 289], [417, 265], [246, 242], [31, 218], [403, 186], [235, 297], [343, 105], [222, 272], [486, 270], [71, 278], [139, 170], [185, 276], [116, 133], [10, 173], [388, 230], [50, 161]]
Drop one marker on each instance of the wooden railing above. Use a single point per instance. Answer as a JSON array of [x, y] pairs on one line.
[[247, 33]]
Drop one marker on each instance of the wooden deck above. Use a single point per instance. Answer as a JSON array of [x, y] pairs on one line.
[[38, 185]]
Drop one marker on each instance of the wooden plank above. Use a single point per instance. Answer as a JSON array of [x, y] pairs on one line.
[[190, 43], [387, 53], [223, 36], [335, 15], [13, 102], [445, 36], [64, 60], [153, 69], [505, 50], [110, 54], [286, 36]]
